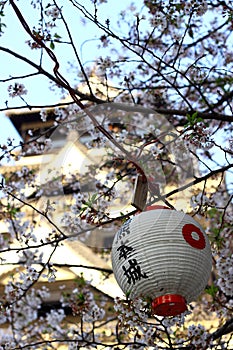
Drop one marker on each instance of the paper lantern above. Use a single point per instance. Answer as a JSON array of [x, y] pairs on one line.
[[162, 254]]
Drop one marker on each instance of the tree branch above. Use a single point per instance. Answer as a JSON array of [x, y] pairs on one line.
[[101, 269], [40, 70], [198, 180], [225, 329]]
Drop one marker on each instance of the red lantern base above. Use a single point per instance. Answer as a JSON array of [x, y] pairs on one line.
[[169, 305], [154, 207]]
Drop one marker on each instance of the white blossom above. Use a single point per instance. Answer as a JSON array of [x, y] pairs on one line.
[[224, 265], [43, 115], [17, 89], [53, 12]]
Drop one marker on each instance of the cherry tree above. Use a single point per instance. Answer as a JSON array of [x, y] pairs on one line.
[[154, 95]]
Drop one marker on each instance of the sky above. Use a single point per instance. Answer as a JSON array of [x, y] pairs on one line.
[[39, 88]]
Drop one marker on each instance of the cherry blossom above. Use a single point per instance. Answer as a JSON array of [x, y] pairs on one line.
[[149, 93]]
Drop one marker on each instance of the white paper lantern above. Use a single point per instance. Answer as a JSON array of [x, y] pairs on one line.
[[164, 255]]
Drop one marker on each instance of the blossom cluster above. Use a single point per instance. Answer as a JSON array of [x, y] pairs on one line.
[[17, 89], [198, 136], [82, 302], [199, 336], [53, 12], [135, 318], [224, 266], [131, 313]]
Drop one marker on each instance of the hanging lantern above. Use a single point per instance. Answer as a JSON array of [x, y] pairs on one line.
[[162, 254]]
